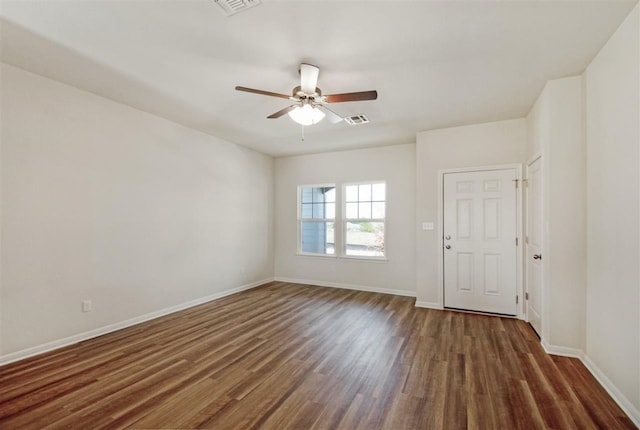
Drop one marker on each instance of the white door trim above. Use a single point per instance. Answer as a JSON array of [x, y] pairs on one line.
[[519, 274], [536, 157]]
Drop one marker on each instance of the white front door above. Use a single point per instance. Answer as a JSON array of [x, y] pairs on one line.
[[534, 245], [479, 241]]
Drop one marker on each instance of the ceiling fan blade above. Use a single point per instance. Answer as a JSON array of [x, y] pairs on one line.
[[264, 93], [351, 97], [333, 117], [282, 112], [308, 78]]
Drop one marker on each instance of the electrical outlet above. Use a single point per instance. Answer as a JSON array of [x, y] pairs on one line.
[[87, 306]]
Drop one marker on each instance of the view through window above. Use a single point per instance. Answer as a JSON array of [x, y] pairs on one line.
[[363, 220], [317, 212]]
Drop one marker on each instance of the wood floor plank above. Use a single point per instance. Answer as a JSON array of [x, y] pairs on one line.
[[289, 356]]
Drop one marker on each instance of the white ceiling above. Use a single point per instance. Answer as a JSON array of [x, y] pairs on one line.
[[434, 64]]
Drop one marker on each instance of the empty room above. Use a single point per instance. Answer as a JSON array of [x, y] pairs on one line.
[[337, 214]]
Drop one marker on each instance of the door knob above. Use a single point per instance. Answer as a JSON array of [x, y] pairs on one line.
[[537, 256], [448, 246]]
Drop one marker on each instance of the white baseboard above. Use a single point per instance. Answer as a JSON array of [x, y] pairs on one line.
[[428, 305], [562, 351], [632, 412], [407, 293], [50, 346]]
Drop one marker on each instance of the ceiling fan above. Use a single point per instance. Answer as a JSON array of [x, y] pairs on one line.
[[309, 105]]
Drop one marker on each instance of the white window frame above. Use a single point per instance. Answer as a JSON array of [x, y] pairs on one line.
[[345, 220], [334, 220]]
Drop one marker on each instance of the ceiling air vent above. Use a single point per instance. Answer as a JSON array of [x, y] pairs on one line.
[[357, 119], [231, 7]]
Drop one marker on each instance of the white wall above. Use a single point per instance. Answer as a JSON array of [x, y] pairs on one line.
[[104, 202], [537, 125], [488, 144], [613, 192], [555, 130], [393, 164]]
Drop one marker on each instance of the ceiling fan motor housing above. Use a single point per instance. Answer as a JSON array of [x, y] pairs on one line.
[[298, 93]]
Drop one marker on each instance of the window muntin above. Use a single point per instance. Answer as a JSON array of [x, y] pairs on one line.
[[316, 219], [364, 226]]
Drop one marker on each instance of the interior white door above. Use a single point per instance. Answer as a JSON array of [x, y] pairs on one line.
[[479, 241], [533, 245]]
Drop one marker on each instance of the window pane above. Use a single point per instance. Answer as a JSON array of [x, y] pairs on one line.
[[378, 192], [351, 193], [331, 210], [314, 202], [365, 239], [352, 210], [318, 210], [364, 210], [307, 211], [330, 195], [317, 237], [364, 193], [377, 209], [306, 195]]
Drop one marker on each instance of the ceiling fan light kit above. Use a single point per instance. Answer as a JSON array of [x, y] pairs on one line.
[[310, 105], [306, 114]]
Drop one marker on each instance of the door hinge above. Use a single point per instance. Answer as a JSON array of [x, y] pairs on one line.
[[526, 240], [516, 300], [516, 241], [526, 296], [516, 182]]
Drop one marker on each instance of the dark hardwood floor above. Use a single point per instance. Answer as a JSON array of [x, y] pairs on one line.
[[291, 356]]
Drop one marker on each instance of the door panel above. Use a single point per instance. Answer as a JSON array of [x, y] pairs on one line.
[[492, 274], [480, 228], [491, 217], [534, 244], [463, 218], [465, 272]]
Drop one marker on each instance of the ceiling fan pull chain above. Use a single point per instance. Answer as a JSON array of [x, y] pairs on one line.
[[302, 140]]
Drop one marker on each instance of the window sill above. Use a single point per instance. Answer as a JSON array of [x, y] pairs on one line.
[[346, 257], [304, 254], [365, 259]]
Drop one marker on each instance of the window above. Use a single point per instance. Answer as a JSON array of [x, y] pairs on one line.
[[316, 219], [364, 206], [360, 227]]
